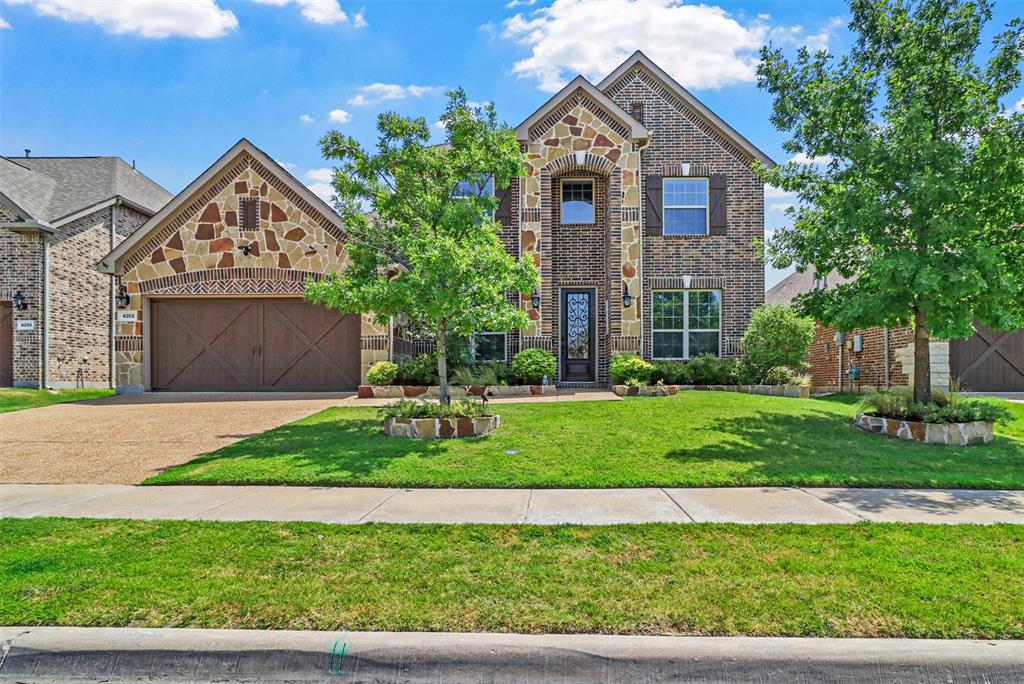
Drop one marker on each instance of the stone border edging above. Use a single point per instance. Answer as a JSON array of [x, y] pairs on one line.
[[440, 428], [791, 391], [433, 391], [956, 434]]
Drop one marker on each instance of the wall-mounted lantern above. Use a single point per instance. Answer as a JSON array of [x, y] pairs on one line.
[[123, 299], [19, 301], [535, 299], [627, 298], [247, 248]]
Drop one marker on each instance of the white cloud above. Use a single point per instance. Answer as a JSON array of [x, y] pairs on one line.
[[146, 18], [339, 116], [306, 118], [439, 125], [321, 175], [380, 92], [781, 206], [359, 20], [517, 3], [4, 24], [770, 191], [702, 46], [1018, 106], [319, 11], [803, 158], [819, 41], [287, 165]]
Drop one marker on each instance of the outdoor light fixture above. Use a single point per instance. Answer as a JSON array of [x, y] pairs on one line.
[[123, 299], [247, 248], [627, 299], [19, 301], [535, 299]]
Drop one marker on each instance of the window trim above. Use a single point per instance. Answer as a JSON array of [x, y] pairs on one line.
[[504, 346], [686, 330], [665, 206], [593, 202]]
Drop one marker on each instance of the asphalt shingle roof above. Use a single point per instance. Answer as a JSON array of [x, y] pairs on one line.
[[786, 290], [50, 188]]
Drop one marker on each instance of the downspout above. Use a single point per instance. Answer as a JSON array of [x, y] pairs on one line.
[[639, 297], [44, 380], [839, 377], [113, 296], [885, 332]]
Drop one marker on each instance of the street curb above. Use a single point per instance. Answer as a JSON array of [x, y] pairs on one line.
[[70, 654]]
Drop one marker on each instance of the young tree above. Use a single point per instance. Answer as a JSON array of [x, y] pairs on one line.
[[429, 249], [917, 193]]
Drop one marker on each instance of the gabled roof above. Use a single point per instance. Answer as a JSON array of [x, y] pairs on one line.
[[50, 189], [797, 283], [110, 263], [638, 58], [637, 131]]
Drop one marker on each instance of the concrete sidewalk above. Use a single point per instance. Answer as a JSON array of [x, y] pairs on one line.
[[351, 505], [74, 654]]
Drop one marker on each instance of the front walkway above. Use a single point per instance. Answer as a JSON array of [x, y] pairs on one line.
[[512, 506]]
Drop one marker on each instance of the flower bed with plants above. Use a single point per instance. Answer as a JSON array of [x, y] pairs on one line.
[[417, 377], [775, 343], [949, 419], [632, 376], [429, 420]]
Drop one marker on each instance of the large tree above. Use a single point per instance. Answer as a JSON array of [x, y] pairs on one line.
[[912, 185], [429, 250]]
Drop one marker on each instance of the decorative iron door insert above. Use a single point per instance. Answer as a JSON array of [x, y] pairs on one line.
[[578, 338]]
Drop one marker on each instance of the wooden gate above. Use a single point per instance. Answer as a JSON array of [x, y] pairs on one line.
[[991, 361]]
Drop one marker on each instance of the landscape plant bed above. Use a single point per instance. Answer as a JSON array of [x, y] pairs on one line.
[[961, 434], [440, 428], [792, 391], [865, 580], [691, 439], [433, 391]]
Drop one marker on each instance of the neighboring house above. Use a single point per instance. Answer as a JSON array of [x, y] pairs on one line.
[[58, 216], [990, 361], [639, 205]]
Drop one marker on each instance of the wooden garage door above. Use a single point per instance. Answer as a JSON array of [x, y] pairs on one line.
[[251, 344], [6, 345], [991, 361]]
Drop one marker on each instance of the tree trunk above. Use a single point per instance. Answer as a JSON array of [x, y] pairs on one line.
[[442, 368], [922, 358]]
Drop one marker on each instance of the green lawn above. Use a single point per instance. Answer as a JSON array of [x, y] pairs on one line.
[[18, 399], [797, 580], [692, 439]]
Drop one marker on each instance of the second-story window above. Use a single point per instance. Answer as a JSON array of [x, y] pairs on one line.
[[577, 201], [686, 206]]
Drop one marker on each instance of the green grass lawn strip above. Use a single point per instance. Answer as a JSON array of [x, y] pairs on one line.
[[19, 399], [694, 439], [864, 580]]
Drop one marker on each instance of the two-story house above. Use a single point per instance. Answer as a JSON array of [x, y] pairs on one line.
[[640, 206]]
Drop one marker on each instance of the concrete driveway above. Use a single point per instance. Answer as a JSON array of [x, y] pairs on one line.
[[125, 439]]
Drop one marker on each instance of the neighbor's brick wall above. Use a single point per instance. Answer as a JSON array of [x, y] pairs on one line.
[[728, 262], [21, 268]]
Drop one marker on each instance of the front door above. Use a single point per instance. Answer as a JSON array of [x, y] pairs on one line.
[[578, 338]]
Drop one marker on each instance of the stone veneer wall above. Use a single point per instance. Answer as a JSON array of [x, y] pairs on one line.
[[579, 136], [196, 252], [725, 262], [21, 268]]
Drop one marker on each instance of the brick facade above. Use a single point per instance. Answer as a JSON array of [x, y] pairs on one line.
[[79, 297]]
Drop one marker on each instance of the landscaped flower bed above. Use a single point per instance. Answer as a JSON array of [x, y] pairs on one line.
[[960, 434], [433, 391], [948, 419], [793, 391], [430, 420]]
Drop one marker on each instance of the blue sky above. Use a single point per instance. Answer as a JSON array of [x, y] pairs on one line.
[[172, 84]]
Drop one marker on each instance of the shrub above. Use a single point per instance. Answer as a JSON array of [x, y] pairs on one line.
[[777, 336], [493, 373], [779, 375], [899, 404], [411, 408], [531, 365], [670, 373], [629, 369], [708, 369], [382, 373], [418, 370]]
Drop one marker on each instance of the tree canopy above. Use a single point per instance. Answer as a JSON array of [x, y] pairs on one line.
[[429, 249], [915, 187]]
